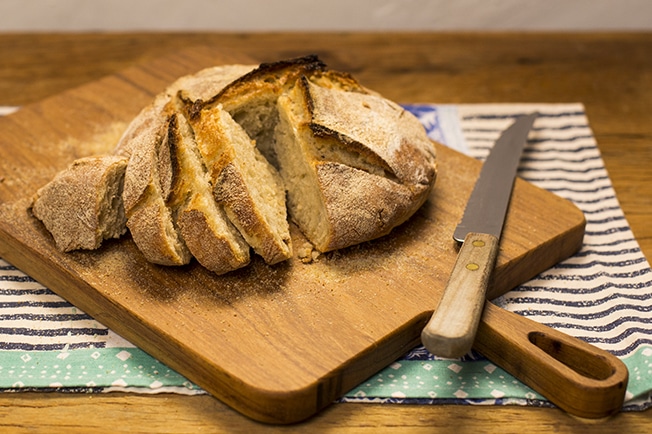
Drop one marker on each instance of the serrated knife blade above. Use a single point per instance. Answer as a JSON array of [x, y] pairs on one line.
[[452, 327]]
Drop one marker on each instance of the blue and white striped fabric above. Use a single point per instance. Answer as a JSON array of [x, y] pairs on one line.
[[603, 294]]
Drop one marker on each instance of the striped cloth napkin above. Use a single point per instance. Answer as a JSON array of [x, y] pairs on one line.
[[601, 295]]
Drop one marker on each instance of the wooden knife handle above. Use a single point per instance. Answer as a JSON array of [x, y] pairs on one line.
[[452, 327], [579, 378]]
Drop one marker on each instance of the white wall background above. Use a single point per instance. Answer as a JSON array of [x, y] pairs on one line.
[[338, 15]]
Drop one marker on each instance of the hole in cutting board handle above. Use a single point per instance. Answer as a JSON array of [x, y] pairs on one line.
[[580, 360]]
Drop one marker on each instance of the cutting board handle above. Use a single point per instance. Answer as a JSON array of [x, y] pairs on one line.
[[579, 378]]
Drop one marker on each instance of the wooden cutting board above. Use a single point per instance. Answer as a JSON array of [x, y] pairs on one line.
[[276, 343]]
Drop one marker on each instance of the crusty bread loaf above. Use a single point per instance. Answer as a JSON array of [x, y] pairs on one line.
[[213, 159], [82, 205]]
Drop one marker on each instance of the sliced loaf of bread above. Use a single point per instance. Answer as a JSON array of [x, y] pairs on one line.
[[151, 205], [213, 159]]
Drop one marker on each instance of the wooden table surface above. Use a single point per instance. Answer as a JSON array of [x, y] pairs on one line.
[[611, 74]]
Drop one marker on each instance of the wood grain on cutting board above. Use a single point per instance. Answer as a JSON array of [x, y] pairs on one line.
[[276, 343]]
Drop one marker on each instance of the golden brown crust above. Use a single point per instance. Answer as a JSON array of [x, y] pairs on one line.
[[267, 80], [218, 254], [374, 128], [145, 128], [144, 146], [271, 244], [361, 206], [147, 189]]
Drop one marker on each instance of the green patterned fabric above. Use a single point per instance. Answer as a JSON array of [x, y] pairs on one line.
[[124, 368]]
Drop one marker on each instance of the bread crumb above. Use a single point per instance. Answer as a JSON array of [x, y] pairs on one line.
[[308, 254]]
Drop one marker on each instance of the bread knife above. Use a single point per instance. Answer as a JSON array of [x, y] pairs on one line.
[[453, 325]]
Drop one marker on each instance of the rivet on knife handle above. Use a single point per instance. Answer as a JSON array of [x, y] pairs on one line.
[[451, 329]]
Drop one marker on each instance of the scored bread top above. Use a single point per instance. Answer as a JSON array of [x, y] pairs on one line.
[[377, 129]]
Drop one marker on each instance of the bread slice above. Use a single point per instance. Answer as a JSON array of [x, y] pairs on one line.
[[82, 205], [202, 222], [147, 187], [355, 165], [245, 184]]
